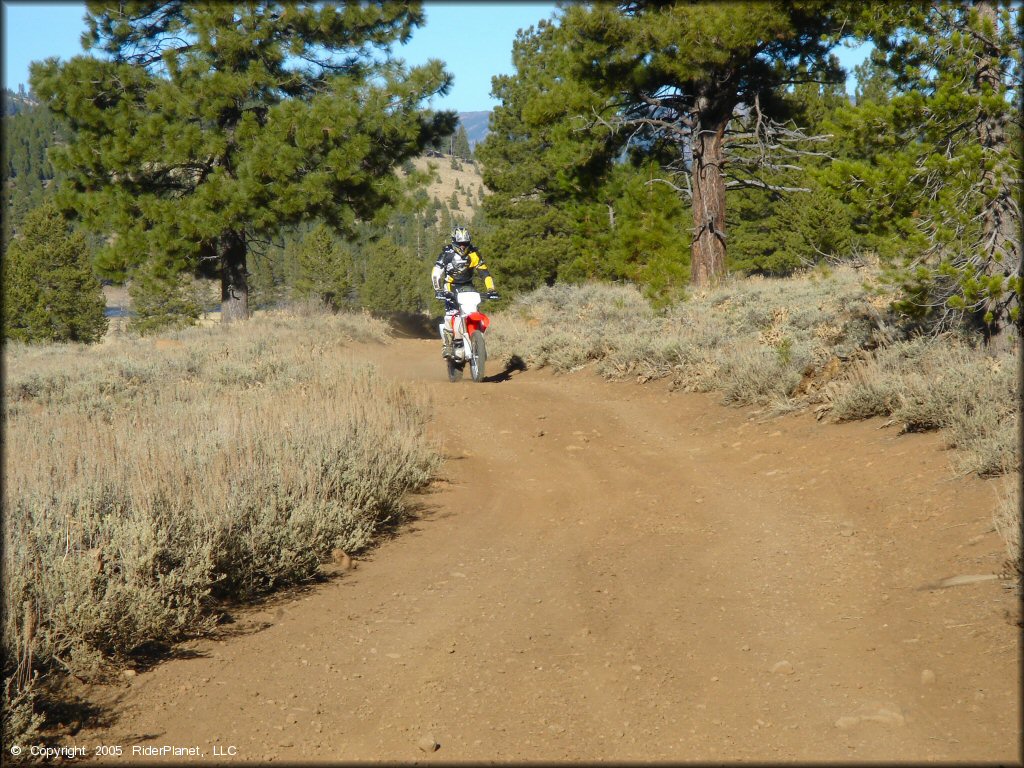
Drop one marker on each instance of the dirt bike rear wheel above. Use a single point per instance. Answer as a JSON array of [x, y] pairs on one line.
[[478, 355]]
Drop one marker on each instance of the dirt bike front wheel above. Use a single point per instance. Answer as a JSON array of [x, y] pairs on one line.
[[478, 355]]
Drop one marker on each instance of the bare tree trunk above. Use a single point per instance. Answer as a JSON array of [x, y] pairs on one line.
[[707, 253], [234, 281]]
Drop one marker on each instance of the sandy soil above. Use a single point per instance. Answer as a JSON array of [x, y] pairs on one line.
[[617, 572]]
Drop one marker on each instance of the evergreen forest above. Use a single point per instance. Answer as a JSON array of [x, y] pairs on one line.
[[267, 150]]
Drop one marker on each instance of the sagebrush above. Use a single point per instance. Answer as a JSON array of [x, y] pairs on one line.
[[147, 481]]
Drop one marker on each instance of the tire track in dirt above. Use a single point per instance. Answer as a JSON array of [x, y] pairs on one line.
[[614, 572]]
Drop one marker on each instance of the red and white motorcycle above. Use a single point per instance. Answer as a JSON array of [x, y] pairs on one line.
[[462, 332]]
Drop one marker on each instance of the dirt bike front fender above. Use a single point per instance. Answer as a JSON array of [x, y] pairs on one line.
[[476, 321]]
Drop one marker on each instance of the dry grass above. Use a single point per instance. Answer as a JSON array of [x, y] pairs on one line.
[[755, 340], [945, 383], [566, 327], [1007, 522], [147, 480]]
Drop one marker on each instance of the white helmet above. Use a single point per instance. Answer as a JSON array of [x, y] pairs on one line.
[[460, 236]]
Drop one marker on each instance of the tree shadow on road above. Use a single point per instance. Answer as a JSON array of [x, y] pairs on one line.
[[514, 365]]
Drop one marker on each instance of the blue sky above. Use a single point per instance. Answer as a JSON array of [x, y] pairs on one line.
[[473, 39]]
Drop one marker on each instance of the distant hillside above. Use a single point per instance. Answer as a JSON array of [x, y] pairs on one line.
[[16, 103], [476, 125], [465, 183]]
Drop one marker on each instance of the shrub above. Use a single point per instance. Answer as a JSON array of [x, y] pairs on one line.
[[941, 383], [753, 339], [566, 326], [151, 485]]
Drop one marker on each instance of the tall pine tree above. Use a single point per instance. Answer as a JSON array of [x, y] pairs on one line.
[[209, 126], [678, 78], [536, 164], [934, 168]]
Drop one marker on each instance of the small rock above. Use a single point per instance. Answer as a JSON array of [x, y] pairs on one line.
[[428, 744], [783, 668], [745, 648], [846, 723], [129, 673], [927, 677], [888, 717]]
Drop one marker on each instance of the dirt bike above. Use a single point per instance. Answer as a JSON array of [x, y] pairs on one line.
[[470, 323]]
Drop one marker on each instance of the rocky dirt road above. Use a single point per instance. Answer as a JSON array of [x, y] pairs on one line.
[[617, 572]]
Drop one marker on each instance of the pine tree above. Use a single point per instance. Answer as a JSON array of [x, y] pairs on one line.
[[694, 87], [774, 233], [934, 168], [678, 79], [28, 176], [460, 144], [50, 291], [651, 238], [217, 124], [536, 165], [324, 269], [162, 298], [396, 281]]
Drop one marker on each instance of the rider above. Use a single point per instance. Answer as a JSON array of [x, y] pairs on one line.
[[453, 272]]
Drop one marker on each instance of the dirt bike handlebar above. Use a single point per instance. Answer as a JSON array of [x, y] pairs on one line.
[[450, 295]]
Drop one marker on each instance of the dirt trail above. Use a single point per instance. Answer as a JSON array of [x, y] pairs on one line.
[[616, 572]]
